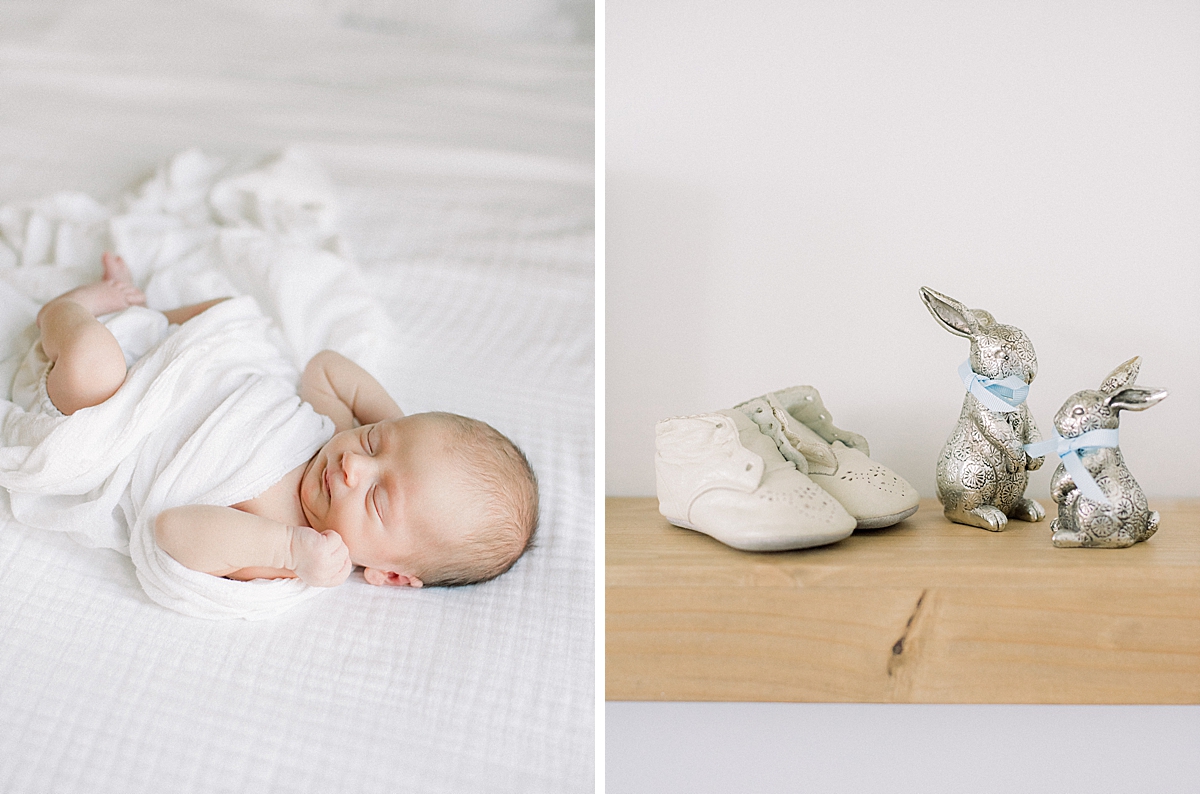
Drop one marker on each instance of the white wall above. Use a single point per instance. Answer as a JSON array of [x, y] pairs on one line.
[[783, 176]]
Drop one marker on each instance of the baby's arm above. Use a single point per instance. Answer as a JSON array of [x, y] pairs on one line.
[[223, 541], [345, 392]]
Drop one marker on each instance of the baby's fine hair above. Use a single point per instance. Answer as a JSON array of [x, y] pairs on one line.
[[503, 482]]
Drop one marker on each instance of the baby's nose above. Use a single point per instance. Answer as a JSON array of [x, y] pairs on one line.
[[354, 467]]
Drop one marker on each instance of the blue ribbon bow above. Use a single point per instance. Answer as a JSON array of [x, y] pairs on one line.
[[1003, 396], [1068, 450]]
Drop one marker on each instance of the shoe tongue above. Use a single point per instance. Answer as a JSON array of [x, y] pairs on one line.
[[753, 439], [795, 426], [815, 449], [810, 452], [804, 405]]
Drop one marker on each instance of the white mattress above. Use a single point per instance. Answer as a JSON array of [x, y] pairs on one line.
[[464, 170]]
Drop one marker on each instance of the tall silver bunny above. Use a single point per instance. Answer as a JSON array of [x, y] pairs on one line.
[[983, 470], [1100, 505]]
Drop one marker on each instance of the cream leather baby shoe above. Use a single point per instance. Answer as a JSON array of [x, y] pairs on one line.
[[718, 474], [837, 460]]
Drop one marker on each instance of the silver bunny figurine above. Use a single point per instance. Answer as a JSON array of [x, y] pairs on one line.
[[983, 470], [1100, 505]]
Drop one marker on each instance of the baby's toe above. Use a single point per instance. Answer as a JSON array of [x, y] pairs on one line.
[[114, 267]]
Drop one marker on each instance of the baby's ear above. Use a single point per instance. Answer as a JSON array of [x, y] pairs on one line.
[[378, 576]]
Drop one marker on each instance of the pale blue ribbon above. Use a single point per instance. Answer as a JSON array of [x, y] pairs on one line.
[[1068, 450], [1003, 396]]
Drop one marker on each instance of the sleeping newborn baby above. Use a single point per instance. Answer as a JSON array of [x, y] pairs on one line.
[[427, 499]]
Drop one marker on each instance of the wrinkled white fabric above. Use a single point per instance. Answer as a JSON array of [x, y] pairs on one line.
[[209, 413], [464, 181], [201, 228]]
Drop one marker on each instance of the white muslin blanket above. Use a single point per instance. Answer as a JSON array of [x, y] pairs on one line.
[[210, 413]]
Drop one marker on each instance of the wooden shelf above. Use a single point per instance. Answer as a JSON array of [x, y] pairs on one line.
[[923, 612]]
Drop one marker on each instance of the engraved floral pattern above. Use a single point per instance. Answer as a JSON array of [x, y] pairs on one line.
[[1127, 520], [979, 478]]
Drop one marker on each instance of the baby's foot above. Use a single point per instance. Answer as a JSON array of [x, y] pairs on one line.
[[320, 559], [113, 292], [115, 269]]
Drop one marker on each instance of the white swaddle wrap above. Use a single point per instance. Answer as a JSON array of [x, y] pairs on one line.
[[209, 415]]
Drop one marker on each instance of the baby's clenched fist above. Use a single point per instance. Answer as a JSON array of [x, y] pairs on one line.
[[320, 559]]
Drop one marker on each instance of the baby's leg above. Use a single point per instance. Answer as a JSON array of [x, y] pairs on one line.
[[87, 363], [184, 313]]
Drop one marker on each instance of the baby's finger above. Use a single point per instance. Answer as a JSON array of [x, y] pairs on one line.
[[334, 538]]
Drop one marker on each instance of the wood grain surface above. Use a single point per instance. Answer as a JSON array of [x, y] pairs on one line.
[[923, 612]]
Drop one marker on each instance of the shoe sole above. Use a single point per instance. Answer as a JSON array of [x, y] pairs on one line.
[[769, 544], [880, 522]]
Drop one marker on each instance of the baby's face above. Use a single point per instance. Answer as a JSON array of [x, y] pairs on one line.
[[374, 485]]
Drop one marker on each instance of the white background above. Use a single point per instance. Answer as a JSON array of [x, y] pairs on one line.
[[781, 178], [462, 163]]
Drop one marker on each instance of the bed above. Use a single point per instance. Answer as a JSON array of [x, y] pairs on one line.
[[458, 142]]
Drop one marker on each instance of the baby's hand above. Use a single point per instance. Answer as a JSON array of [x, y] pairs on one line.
[[320, 559]]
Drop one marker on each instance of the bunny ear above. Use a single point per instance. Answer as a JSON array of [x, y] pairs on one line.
[[1135, 399], [954, 317], [983, 317], [1122, 376]]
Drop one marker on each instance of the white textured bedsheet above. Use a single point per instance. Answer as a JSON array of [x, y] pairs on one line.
[[465, 174]]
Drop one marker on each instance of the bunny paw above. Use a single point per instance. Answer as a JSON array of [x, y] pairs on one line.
[[1067, 539], [1029, 510], [987, 517], [1151, 524]]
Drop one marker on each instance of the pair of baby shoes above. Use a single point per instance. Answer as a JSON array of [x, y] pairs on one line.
[[773, 473]]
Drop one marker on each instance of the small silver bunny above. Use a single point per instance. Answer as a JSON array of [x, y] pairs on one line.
[[983, 470], [1100, 505]]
